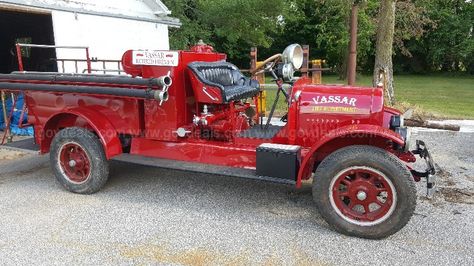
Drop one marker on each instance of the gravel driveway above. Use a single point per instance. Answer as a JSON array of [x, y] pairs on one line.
[[154, 216]]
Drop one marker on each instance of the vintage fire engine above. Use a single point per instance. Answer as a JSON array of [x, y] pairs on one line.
[[192, 110]]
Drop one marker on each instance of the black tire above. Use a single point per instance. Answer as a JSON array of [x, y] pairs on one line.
[[335, 200], [89, 171]]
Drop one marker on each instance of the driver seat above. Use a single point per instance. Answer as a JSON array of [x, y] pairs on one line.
[[221, 82]]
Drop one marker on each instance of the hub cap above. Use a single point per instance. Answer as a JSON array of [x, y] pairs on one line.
[[362, 195], [74, 163]]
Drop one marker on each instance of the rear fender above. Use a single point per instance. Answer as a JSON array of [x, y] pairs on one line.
[[91, 119], [360, 134]]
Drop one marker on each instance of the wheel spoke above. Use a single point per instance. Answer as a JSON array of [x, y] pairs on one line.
[[351, 204], [358, 175], [344, 193], [365, 205], [346, 182], [372, 179]]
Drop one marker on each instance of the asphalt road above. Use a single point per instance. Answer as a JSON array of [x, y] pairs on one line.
[[154, 216]]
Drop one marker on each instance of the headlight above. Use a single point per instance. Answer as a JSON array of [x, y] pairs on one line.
[[293, 54], [286, 71], [396, 121], [406, 135]]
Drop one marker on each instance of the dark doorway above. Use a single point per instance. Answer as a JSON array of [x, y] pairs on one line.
[[26, 28]]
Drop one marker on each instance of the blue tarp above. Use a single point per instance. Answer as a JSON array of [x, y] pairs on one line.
[[15, 130]]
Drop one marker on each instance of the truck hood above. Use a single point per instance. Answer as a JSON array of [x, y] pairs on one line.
[[339, 99]]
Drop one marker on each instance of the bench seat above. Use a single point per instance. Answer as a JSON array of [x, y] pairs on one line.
[[226, 77]]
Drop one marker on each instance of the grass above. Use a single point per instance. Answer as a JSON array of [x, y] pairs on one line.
[[434, 96]]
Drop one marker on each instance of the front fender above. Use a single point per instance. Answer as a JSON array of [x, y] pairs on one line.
[[360, 131], [98, 123]]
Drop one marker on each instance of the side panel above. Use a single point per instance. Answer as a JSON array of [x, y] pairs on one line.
[[122, 113], [206, 152], [107, 116]]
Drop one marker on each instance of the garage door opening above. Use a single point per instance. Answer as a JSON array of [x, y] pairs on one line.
[[22, 27]]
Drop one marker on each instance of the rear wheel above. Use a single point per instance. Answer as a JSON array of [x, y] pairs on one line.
[[364, 191], [78, 160]]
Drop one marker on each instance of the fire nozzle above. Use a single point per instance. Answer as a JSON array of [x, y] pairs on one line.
[[165, 82]]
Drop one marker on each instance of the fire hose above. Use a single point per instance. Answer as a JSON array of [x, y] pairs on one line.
[[87, 78], [19, 82], [111, 91]]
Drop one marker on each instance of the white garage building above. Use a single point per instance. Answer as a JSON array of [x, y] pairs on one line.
[[107, 27]]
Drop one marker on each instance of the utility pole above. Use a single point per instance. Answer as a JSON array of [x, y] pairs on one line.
[[352, 62]]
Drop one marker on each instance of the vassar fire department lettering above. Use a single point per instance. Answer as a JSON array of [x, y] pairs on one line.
[[155, 58], [335, 99]]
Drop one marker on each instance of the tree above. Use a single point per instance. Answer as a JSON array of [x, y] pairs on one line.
[[429, 35], [450, 45], [192, 29], [230, 26], [384, 46]]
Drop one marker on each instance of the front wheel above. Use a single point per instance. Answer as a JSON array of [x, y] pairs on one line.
[[78, 160], [364, 191]]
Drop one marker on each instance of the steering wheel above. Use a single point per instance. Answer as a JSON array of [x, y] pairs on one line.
[[266, 65]]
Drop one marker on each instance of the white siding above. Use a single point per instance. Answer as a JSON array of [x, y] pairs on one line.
[[140, 9], [107, 37]]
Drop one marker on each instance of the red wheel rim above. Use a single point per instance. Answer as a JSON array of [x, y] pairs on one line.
[[363, 196], [74, 162]]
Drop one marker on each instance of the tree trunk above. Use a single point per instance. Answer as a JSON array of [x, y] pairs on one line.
[[384, 47]]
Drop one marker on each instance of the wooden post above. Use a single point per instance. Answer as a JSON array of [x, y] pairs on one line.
[[260, 99], [305, 68], [316, 72], [253, 58], [254, 63]]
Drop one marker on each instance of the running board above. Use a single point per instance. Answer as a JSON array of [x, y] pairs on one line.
[[199, 168], [25, 145], [28, 145]]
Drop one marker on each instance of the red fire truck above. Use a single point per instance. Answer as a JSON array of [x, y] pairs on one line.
[[192, 110]]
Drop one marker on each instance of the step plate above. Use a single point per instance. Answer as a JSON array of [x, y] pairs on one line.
[[198, 168]]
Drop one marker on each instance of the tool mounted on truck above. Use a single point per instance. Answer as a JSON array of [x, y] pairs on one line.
[[193, 110]]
